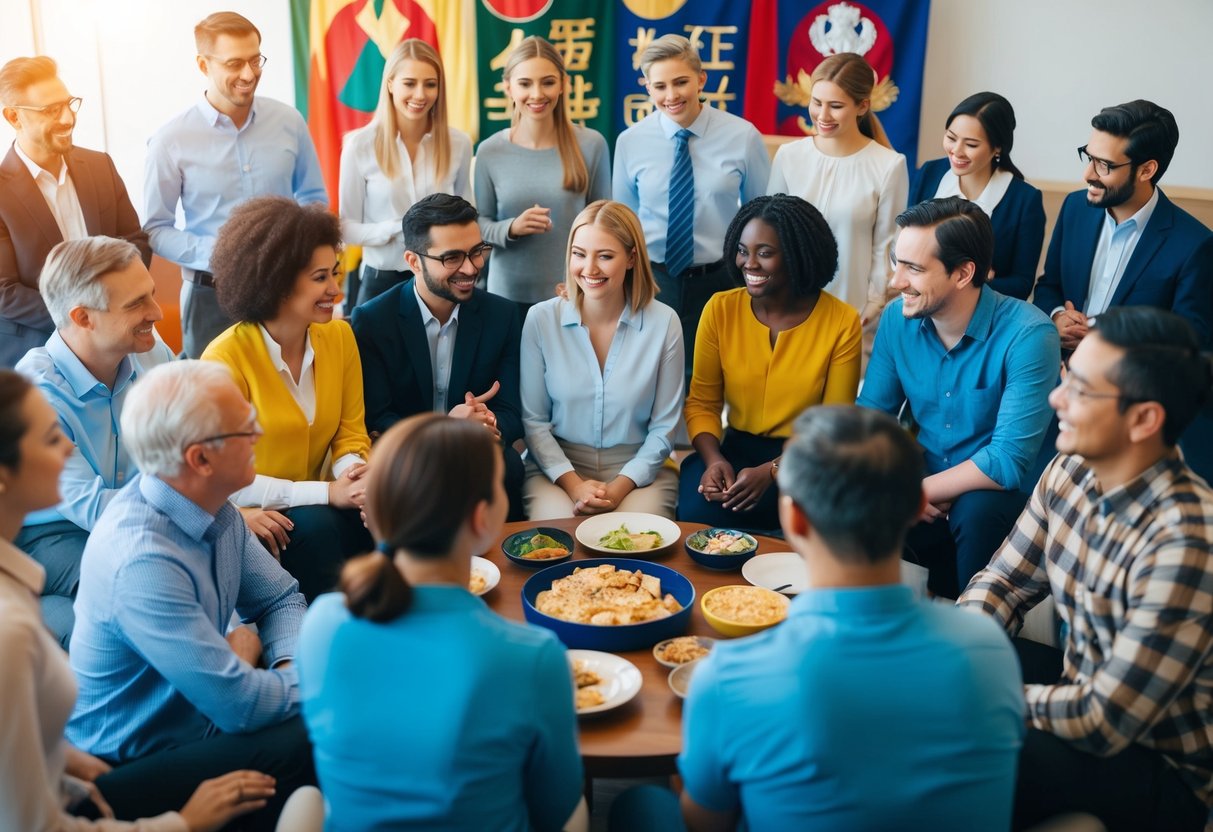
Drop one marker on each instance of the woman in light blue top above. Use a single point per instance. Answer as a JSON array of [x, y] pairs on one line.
[[602, 379], [425, 709]]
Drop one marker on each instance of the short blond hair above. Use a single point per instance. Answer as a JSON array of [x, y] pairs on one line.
[[222, 23], [620, 222], [668, 48], [20, 74]]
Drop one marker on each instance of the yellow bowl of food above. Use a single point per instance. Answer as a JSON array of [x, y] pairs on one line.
[[741, 610]]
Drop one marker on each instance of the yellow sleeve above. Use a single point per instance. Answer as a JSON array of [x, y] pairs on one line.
[[842, 376], [705, 400], [351, 436], [224, 349]]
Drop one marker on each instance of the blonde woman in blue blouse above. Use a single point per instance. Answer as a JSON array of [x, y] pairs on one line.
[[602, 379]]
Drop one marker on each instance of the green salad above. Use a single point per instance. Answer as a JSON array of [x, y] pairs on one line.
[[625, 541]]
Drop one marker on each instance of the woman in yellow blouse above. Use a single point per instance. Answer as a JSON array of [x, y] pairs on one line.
[[767, 350], [277, 272]]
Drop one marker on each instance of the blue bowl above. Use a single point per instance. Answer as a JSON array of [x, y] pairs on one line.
[[724, 563], [612, 638], [510, 546]]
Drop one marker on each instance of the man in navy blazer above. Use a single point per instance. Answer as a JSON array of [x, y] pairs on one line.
[[437, 343]]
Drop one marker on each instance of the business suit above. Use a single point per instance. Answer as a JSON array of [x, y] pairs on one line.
[[28, 232], [1019, 228], [398, 380]]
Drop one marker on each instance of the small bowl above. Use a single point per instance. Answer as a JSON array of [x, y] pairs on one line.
[[680, 678], [730, 627], [660, 646], [696, 542], [511, 544]]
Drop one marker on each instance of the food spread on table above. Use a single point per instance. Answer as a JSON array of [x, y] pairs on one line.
[[606, 595], [721, 542], [541, 547], [746, 605], [623, 540], [682, 650], [586, 681]]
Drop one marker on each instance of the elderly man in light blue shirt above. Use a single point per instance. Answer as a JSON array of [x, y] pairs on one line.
[[163, 571], [226, 148], [101, 299]]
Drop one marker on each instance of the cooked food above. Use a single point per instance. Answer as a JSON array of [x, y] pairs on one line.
[[626, 541], [583, 677], [682, 650], [478, 583], [585, 680], [605, 595], [541, 547], [722, 542], [747, 605], [587, 698]]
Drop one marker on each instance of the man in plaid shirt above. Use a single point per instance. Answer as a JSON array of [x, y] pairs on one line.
[[1120, 531]]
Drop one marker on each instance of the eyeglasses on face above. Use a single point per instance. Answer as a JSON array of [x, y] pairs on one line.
[[454, 260], [237, 64], [1072, 392], [52, 110], [255, 433], [1102, 166]]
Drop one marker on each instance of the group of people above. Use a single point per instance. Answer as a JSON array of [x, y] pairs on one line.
[[176, 518]]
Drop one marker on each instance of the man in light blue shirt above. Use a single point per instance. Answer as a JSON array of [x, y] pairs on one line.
[[165, 568], [226, 148], [866, 708], [101, 299], [975, 369]]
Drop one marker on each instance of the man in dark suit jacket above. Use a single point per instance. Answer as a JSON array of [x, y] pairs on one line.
[[437, 343], [49, 191]]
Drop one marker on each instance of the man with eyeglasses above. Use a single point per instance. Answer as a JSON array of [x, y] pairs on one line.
[[1119, 531], [50, 191], [226, 148], [437, 343], [165, 698]]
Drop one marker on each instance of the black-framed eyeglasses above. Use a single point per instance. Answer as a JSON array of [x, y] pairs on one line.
[[237, 64], [1067, 387], [1102, 166], [52, 110], [454, 260], [255, 433]]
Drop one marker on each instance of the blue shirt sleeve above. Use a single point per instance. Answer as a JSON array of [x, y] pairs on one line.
[[307, 183], [667, 408], [623, 185], [705, 771], [552, 781], [536, 402], [882, 388], [757, 167], [270, 598]]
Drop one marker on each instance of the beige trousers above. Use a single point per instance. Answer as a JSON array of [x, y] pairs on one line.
[[544, 500]]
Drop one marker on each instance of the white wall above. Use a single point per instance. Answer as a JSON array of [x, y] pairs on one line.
[[1060, 61]]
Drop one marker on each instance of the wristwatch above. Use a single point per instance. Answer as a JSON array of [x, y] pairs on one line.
[[775, 468]]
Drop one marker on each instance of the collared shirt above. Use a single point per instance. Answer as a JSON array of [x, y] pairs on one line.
[[797, 727], [60, 195], [441, 338], [1130, 572], [1113, 252], [159, 581], [201, 160], [986, 399], [634, 399], [989, 197], [372, 205], [731, 167], [90, 414]]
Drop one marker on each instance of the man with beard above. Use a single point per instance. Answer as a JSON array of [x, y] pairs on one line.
[[50, 191], [437, 343], [974, 368]]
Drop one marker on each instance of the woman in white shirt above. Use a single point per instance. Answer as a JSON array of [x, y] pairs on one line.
[[602, 379], [407, 152], [850, 173]]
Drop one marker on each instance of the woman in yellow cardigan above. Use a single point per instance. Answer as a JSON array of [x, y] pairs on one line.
[[276, 272], [768, 350]]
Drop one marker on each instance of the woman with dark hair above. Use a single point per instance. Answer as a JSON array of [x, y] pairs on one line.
[[425, 709], [43, 774], [277, 272], [977, 139], [768, 350]]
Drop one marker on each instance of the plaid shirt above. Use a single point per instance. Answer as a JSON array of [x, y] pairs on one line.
[[1131, 572]]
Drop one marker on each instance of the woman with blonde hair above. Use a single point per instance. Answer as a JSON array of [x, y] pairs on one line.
[[602, 379], [850, 173], [406, 152], [534, 176]]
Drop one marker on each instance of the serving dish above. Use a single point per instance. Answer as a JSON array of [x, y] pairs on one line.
[[591, 531], [697, 542], [734, 626], [516, 543], [621, 680]]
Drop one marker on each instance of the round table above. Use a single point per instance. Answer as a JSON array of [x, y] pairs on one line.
[[643, 737]]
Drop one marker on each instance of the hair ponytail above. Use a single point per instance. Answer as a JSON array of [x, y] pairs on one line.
[[375, 589]]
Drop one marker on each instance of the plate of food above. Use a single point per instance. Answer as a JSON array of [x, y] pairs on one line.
[[485, 575], [627, 534], [602, 681], [675, 652], [741, 610], [781, 571], [722, 549], [680, 678], [538, 547]]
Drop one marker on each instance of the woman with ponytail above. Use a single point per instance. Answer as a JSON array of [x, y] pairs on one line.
[[850, 173], [977, 139], [426, 709]]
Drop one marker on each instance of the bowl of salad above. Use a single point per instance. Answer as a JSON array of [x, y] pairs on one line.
[[628, 533], [722, 549], [538, 547]]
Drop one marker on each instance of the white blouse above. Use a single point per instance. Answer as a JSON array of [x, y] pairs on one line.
[[990, 196]]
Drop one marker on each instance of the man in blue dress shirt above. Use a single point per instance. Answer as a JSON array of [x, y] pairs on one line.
[[101, 299], [975, 369], [866, 708], [226, 148], [165, 697]]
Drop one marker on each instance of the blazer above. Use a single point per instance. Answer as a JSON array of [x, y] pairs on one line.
[[1019, 228], [397, 376], [1171, 267], [28, 232]]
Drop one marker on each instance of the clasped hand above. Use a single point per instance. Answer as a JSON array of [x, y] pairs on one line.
[[736, 492], [475, 409]]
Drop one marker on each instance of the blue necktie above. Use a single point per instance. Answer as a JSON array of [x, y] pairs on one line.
[[680, 234]]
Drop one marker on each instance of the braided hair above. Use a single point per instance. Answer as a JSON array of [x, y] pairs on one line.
[[810, 254]]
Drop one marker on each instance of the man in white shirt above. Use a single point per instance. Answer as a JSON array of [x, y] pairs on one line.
[[50, 191]]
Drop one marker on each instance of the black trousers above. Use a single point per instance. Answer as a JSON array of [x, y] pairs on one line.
[[742, 450], [323, 539]]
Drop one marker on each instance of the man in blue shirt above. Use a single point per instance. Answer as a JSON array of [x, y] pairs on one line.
[[162, 693], [975, 369], [101, 299], [226, 148], [866, 708]]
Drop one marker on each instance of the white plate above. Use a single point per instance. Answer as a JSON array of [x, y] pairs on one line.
[[776, 569], [704, 641], [621, 679], [593, 528], [680, 678], [492, 575]]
